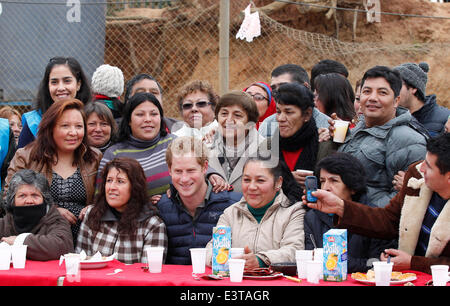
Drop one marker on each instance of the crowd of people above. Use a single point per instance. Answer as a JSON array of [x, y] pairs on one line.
[[98, 167]]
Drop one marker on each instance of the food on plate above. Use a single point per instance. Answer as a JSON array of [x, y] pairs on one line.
[[370, 276], [258, 272]]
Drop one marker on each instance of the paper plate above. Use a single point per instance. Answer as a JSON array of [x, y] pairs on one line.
[[393, 282], [95, 264]]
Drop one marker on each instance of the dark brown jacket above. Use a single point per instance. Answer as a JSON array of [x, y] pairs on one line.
[[402, 218], [48, 240]]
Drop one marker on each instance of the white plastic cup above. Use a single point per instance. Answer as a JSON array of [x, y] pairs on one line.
[[155, 259], [72, 263], [313, 271], [318, 256], [236, 269], [340, 130], [440, 275], [19, 256], [302, 256], [383, 272], [236, 252], [198, 259], [5, 258]]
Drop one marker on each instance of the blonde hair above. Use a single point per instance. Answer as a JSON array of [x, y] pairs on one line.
[[185, 145]]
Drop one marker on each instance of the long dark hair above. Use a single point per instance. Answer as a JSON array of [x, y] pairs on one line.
[[139, 198], [44, 150], [336, 94], [137, 99], [44, 100]]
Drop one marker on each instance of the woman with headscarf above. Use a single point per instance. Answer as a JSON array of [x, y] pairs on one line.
[[262, 95]]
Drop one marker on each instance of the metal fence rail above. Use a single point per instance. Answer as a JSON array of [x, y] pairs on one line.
[[178, 41]]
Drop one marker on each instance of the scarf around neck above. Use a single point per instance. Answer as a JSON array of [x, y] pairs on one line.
[[27, 217], [307, 138]]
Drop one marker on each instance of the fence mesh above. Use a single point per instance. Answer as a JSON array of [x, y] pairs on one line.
[[178, 41]]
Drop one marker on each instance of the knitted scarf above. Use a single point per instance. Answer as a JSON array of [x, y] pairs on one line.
[[307, 138]]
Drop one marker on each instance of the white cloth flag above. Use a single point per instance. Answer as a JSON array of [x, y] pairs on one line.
[[250, 27]]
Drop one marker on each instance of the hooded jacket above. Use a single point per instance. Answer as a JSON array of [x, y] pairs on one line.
[[432, 116], [384, 150]]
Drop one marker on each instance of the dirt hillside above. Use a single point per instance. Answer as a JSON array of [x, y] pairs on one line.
[[183, 58]]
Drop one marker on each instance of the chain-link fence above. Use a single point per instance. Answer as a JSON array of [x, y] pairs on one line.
[[178, 41]]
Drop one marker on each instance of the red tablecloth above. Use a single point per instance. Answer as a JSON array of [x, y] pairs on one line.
[[47, 274]]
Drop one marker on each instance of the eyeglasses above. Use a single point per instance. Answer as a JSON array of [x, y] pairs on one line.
[[258, 97], [199, 104]]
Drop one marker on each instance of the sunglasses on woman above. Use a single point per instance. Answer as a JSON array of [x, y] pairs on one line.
[[199, 104]]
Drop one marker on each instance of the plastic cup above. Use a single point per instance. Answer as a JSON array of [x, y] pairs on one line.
[[318, 256], [313, 271], [340, 130], [302, 256], [19, 255], [383, 271], [236, 269], [155, 258], [5, 258], [72, 263], [236, 252], [440, 275], [198, 258]]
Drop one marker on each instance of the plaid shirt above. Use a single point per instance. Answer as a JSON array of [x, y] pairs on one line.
[[130, 249]]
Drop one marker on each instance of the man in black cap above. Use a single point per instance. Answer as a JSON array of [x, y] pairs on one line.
[[412, 96]]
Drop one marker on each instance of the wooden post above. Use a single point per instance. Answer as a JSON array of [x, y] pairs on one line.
[[224, 45]]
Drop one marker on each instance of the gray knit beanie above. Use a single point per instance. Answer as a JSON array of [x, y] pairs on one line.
[[415, 75], [108, 81]]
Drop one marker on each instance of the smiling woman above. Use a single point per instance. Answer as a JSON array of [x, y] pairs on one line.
[[264, 209], [61, 153], [63, 79], [122, 220]]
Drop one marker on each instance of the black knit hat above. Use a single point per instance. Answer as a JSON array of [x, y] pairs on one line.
[[415, 75]]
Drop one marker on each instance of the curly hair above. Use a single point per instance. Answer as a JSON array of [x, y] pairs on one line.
[[138, 196]]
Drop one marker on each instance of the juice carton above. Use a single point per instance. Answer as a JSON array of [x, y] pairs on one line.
[[335, 255], [221, 250]]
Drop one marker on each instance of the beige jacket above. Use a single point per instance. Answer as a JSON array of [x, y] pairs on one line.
[[88, 171], [274, 239]]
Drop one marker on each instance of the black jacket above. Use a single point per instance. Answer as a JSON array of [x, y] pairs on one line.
[[432, 116]]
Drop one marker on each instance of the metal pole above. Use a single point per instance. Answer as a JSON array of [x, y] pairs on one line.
[[224, 45]]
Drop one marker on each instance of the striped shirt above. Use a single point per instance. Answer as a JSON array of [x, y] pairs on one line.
[[434, 209], [150, 154]]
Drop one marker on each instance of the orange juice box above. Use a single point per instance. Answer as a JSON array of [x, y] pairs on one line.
[[221, 250], [335, 255]]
